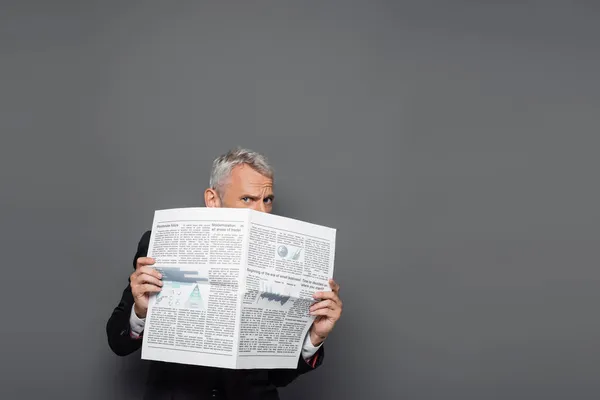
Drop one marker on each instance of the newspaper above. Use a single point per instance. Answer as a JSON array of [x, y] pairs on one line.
[[237, 286]]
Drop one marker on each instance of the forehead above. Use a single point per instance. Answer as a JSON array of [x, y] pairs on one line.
[[245, 179]]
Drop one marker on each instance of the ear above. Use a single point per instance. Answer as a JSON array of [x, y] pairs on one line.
[[211, 198]]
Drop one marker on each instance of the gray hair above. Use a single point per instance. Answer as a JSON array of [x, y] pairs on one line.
[[224, 164]]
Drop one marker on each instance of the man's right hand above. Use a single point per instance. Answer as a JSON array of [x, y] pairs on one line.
[[144, 281]]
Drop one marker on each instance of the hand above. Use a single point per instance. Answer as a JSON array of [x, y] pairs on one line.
[[143, 281], [328, 312]]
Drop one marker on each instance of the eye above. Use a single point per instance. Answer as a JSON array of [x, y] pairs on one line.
[[268, 200], [246, 199]]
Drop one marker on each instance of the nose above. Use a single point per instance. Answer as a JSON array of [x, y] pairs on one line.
[[260, 206]]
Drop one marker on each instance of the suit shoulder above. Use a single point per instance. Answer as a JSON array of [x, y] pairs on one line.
[[145, 240], [142, 248]]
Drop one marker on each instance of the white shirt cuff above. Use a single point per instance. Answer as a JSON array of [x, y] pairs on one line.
[[136, 324], [308, 350]]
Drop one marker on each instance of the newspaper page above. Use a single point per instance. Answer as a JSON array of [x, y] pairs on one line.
[[195, 318], [288, 261], [237, 285]]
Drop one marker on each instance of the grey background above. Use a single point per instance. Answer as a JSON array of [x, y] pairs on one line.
[[453, 144]]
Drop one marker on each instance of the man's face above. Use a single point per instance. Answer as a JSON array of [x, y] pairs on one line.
[[246, 188]]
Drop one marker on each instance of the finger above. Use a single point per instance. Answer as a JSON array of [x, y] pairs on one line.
[[334, 286], [149, 271], [326, 312], [324, 304], [326, 296], [148, 288], [144, 261], [146, 278], [321, 296]]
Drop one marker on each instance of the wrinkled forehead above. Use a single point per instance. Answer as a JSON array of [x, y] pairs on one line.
[[246, 180]]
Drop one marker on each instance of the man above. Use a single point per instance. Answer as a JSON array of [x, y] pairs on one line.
[[241, 178]]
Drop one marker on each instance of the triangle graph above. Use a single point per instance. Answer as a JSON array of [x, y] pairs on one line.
[[195, 299]]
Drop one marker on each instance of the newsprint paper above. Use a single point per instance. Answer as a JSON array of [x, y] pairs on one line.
[[237, 286]]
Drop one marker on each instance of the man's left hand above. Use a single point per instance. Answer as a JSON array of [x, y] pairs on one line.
[[327, 311]]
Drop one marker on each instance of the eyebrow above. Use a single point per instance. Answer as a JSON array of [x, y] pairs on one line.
[[253, 197]]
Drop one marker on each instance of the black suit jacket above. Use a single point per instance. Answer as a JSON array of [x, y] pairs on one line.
[[179, 381]]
